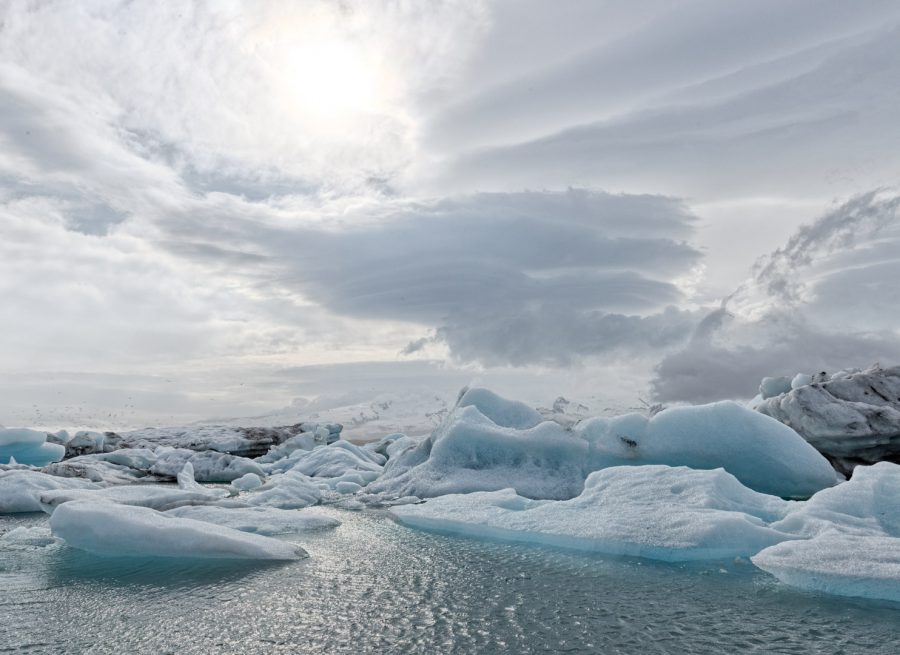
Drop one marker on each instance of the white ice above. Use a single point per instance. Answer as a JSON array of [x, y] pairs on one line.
[[111, 529], [851, 534], [658, 512], [20, 490]]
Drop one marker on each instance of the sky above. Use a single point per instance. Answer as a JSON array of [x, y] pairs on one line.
[[217, 208]]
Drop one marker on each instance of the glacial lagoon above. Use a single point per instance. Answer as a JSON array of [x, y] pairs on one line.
[[372, 585]]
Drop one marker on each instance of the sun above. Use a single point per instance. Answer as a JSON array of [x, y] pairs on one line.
[[330, 77]]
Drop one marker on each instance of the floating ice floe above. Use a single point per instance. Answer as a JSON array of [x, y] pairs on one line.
[[28, 447], [470, 452], [657, 512], [111, 529], [258, 520], [853, 417], [851, 538], [20, 490]]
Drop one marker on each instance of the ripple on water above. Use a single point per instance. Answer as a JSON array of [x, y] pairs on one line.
[[372, 586]]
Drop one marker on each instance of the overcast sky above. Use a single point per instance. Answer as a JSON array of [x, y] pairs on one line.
[[207, 207]]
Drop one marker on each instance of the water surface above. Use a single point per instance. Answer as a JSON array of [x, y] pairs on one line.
[[372, 586]]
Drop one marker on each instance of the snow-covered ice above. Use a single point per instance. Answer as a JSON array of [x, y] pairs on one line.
[[658, 512], [28, 447], [111, 529]]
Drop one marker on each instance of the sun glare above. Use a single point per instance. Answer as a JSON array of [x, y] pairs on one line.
[[329, 77]]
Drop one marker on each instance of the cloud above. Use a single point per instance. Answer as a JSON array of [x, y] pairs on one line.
[[826, 300], [507, 278], [786, 114]]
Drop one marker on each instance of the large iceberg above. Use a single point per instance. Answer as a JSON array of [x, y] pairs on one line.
[[762, 453], [111, 529], [852, 417], [470, 452], [851, 538], [28, 447], [20, 490], [657, 512]]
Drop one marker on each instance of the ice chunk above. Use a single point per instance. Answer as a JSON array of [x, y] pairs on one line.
[[209, 465], [247, 482], [763, 454], [853, 545], [770, 387], [801, 380], [853, 417], [291, 490], [110, 529], [658, 512], [159, 497], [347, 487], [335, 460], [503, 412], [28, 447], [124, 466], [469, 452], [258, 520], [20, 490], [304, 441]]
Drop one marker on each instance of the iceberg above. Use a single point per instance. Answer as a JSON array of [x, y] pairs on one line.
[[20, 490], [28, 447], [762, 453], [470, 452], [258, 520], [291, 490], [332, 461], [158, 497], [657, 512], [247, 482], [852, 417], [111, 529], [233, 440], [850, 538], [208, 466]]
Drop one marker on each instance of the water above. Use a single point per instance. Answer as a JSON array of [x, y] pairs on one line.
[[372, 586]]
